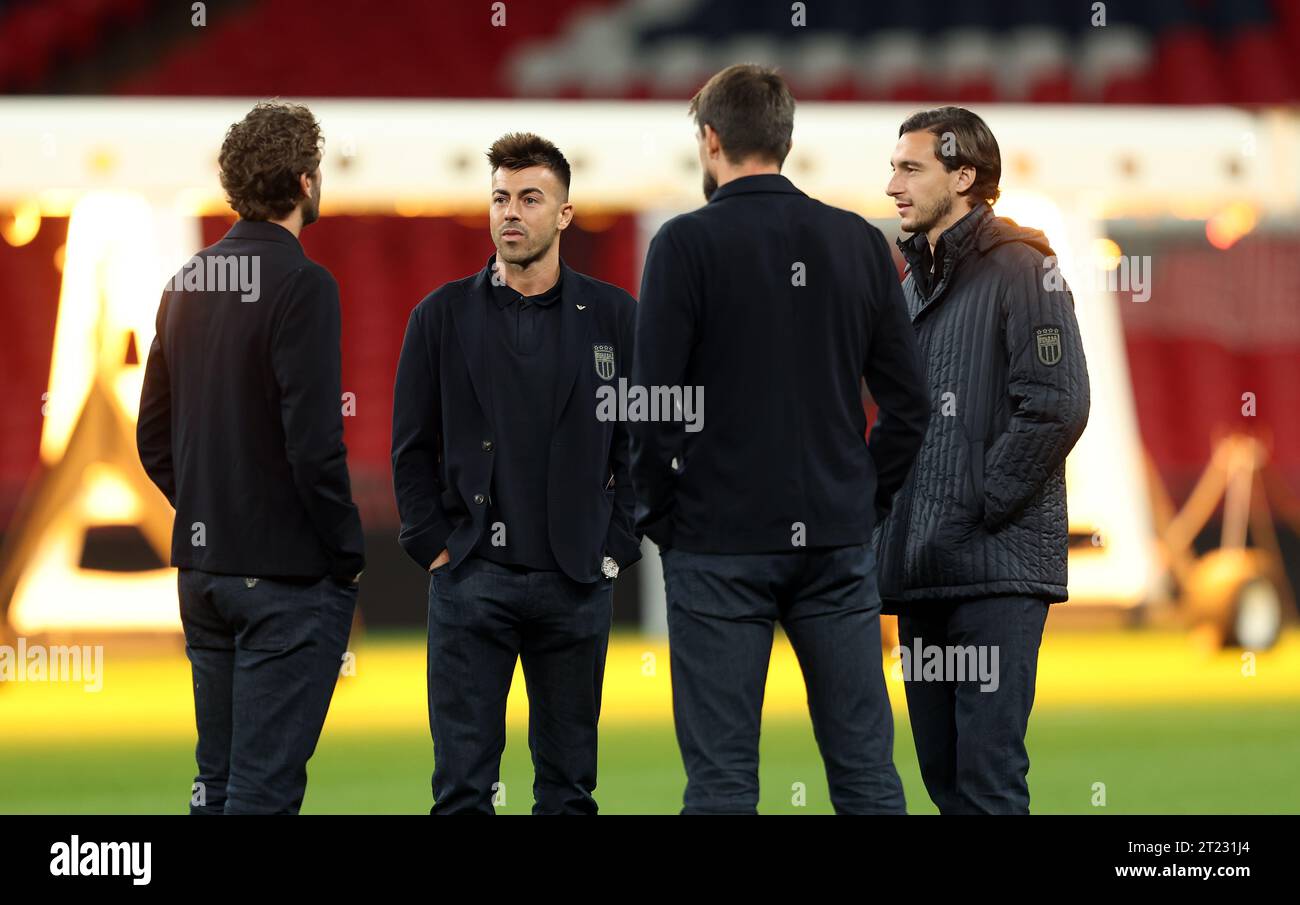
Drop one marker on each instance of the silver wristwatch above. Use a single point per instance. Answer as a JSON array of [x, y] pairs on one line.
[[608, 567]]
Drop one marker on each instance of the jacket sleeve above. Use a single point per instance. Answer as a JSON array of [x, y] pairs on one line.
[[895, 375], [623, 541], [305, 356], [665, 334], [417, 442], [153, 429], [1048, 392]]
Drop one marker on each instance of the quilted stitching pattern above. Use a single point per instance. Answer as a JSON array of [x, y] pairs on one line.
[[983, 510]]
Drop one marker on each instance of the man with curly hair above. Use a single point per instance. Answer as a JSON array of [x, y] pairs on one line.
[[241, 428]]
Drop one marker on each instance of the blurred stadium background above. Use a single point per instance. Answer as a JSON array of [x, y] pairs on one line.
[[1161, 135]]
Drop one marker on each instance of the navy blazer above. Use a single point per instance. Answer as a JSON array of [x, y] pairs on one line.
[[241, 423], [780, 306], [443, 449]]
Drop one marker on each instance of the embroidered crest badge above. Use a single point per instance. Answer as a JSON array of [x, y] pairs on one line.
[[1049, 345], [604, 361]]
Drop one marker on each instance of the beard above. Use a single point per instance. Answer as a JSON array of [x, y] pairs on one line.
[[523, 257], [928, 217], [710, 185], [311, 206]]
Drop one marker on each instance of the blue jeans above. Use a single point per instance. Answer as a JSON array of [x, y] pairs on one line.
[[482, 618], [970, 735], [722, 612], [265, 656]]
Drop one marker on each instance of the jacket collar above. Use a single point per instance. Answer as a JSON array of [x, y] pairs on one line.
[[566, 283], [953, 246], [503, 295], [954, 240], [263, 230], [760, 182], [469, 312]]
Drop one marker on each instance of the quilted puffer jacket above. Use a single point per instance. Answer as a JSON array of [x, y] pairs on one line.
[[982, 513]]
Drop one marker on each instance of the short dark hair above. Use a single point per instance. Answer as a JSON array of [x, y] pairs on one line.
[[962, 139], [521, 150], [751, 109], [264, 154]]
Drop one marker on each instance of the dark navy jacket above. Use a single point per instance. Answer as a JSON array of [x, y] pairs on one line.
[[983, 512], [779, 306], [443, 446], [241, 422]]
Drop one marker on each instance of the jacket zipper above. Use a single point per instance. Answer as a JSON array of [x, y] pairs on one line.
[[926, 337]]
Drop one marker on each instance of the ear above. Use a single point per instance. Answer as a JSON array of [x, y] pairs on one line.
[[566, 215], [965, 178], [712, 143], [304, 184]]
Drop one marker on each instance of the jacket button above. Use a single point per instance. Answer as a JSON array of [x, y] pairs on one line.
[[479, 498], [487, 446]]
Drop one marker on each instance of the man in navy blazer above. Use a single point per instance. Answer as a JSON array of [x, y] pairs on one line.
[[514, 492], [241, 427], [780, 306]]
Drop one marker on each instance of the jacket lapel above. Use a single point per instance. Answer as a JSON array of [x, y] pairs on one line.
[[468, 312], [575, 338]]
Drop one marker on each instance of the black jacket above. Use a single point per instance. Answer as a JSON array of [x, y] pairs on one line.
[[442, 443], [983, 511], [241, 422], [778, 306]]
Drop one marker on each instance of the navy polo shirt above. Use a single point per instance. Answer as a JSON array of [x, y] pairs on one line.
[[522, 345]]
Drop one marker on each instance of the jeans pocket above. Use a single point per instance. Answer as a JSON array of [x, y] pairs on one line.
[[337, 608], [267, 611], [202, 621], [451, 597]]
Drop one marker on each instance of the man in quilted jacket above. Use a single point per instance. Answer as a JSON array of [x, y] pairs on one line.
[[973, 550]]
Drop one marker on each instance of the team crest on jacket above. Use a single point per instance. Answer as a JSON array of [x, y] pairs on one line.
[[1049, 345], [604, 361]]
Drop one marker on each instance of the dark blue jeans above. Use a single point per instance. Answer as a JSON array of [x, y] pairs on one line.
[[722, 612], [970, 736], [482, 618], [265, 656]]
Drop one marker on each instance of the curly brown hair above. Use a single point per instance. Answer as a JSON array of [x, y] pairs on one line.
[[264, 154]]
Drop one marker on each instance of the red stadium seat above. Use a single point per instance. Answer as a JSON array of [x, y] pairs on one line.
[[1188, 68], [1257, 69]]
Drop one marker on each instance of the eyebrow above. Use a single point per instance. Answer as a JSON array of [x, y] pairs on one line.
[[905, 163], [525, 191]]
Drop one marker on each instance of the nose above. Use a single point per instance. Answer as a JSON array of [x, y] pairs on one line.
[[892, 188]]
